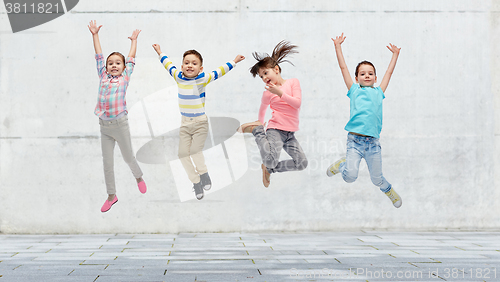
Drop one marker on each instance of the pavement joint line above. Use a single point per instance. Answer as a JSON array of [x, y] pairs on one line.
[[392, 256], [14, 254], [115, 258], [83, 262], [337, 260], [414, 252], [324, 252], [271, 248], [259, 271], [168, 261], [17, 267], [106, 266], [394, 244], [48, 250], [459, 248], [372, 247], [410, 263], [96, 278], [360, 240], [101, 246], [71, 272], [253, 261], [92, 254], [165, 273], [247, 252], [436, 260]]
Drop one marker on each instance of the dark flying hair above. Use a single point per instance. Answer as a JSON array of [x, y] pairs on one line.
[[280, 52], [364, 63], [193, 52]]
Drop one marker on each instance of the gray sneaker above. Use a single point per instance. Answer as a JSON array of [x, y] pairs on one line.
[[206, 183], [198, 191]]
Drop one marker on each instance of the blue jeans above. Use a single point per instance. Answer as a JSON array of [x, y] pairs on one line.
[[359, 147], [271, 142]]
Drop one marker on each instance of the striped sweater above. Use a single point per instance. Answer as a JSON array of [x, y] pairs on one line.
[[192, 90]]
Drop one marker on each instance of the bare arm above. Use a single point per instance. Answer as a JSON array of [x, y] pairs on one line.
[[157, 49], [94, 29], [133, 46], [340, 57], [387, 76]]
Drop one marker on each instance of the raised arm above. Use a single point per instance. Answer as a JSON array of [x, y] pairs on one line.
[[94, 29], [133, 45], [340, 57], [387, 76], [239, 58], [157, 49]]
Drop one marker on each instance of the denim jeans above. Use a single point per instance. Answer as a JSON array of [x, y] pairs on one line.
[[271, 142], [359, 147]]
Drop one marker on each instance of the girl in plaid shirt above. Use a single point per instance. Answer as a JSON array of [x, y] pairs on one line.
[[111, 108]]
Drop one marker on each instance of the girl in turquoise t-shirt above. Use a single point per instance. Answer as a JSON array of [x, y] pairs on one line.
[[365, 122]]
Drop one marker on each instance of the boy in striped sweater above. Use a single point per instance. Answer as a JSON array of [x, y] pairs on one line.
[[191, 82]]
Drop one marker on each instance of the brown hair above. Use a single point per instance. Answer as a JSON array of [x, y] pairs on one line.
[[118, 54], [193, 52], [280, 52], [364, 63]]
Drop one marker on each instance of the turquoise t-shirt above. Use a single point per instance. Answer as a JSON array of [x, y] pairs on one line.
[[366, 110]]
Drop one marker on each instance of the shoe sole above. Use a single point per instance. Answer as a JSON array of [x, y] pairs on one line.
[[207, 187], [264, 179]]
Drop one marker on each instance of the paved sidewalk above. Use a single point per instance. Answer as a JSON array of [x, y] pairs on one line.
[[322, 256]]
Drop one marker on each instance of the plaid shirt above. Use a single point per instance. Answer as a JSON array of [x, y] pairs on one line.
[[112, 89]]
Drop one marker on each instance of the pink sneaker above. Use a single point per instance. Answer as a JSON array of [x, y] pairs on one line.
[[142, 187], [107, 204]]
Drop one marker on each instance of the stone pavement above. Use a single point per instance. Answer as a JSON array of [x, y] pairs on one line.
[[318, 256]]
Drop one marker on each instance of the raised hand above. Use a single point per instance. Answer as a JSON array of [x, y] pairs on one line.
[[239, 58], [339, 39], [393, 48], [274, 89], [135, 34], [157, 48], [94, 29]]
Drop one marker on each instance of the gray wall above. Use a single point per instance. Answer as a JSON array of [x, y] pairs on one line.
[[439, 139]]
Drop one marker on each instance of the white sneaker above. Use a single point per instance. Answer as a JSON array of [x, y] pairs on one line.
[[334, 168], [394, 197]]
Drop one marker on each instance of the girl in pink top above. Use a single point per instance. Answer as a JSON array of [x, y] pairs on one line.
[[284, 97]]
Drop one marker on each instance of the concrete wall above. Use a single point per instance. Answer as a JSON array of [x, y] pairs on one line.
[[440, 137]]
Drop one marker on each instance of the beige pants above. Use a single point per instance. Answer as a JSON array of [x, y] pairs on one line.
[[192, 136], [112, 132]]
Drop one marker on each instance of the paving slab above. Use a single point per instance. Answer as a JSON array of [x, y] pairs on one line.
[[321, 256]]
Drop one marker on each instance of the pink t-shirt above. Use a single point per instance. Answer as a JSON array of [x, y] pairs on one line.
[[286, 109]]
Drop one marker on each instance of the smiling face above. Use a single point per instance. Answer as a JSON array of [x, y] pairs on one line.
[[191, 66], [115, 65], [366, 75], [270, 75]]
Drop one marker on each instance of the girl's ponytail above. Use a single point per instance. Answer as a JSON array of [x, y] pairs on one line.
[[280, 52]]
